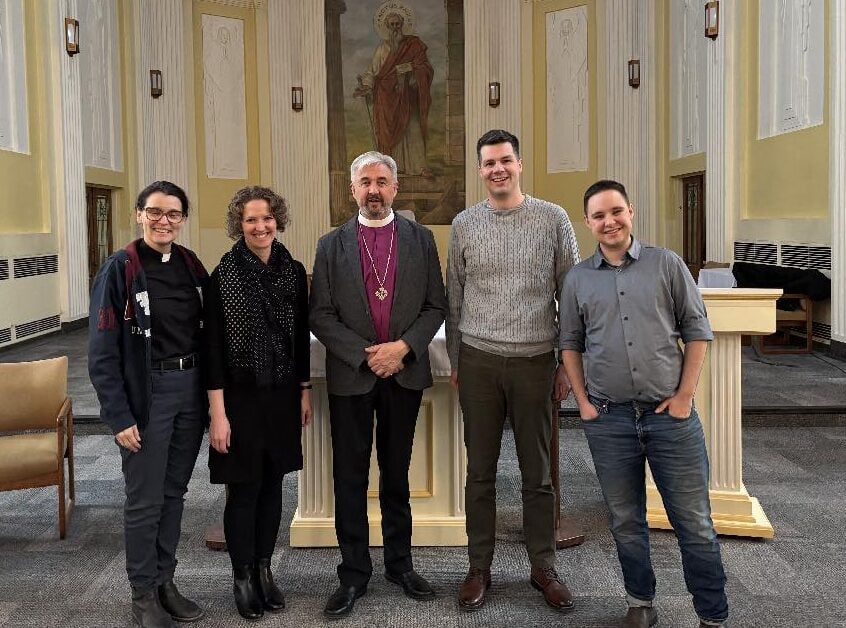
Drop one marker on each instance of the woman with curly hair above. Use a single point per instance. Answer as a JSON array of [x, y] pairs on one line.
[[258, 387]]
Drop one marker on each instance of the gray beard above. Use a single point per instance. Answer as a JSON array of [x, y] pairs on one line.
[[394, 39]]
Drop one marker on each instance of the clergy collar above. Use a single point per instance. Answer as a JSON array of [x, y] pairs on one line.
[[367, 222], [149, 253]]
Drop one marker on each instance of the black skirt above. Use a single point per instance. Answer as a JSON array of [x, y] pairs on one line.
[[263, 421]]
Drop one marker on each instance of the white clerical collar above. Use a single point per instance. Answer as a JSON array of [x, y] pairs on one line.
[[367, 222]]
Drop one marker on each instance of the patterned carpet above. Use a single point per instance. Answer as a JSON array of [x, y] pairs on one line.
[[797, 579]]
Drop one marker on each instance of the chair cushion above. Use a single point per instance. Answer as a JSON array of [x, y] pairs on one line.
[[24, 456]]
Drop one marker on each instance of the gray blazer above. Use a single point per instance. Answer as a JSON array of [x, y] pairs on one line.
[[339, 314]]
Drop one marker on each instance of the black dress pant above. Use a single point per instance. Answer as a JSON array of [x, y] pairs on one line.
[[252, 515], [157, 476], [351, 417]]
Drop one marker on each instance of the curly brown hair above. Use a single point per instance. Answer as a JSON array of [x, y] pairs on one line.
[[235, 211]]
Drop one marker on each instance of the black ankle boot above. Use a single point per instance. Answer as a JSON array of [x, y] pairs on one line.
[[274, 600], [247, 593], [148, 612], [179, 607]]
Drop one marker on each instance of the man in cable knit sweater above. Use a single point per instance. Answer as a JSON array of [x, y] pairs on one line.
[[508, 257]]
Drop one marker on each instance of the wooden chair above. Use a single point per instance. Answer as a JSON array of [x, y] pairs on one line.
[[801, 319], [36, 429]]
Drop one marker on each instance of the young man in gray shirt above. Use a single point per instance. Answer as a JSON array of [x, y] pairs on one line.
[[625, 309], [508, 256]]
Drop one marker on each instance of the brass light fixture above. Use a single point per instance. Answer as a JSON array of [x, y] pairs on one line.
[[634, 73], [156, 83], [493, 94], [712, 19], [297, 98], [71, 36]]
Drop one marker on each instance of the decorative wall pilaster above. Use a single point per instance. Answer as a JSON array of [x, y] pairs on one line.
[[722, 142], [837, 175], [630, 151], [162, 127], [492, 36], [67, 171], [297, 42]]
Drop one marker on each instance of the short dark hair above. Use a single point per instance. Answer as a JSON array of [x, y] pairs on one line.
[[235, 211], [497, 136], [168, 189], [603, 185]]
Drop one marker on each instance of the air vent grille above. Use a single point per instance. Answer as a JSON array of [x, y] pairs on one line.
[[5, 335], [4, 269], [32, 266], [34, 327], [756, 252]]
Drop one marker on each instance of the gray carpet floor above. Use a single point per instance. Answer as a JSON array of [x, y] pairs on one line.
[[796, 579]]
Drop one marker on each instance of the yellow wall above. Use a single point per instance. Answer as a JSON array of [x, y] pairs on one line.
[[214, 194], [786, 175], [22, 207], [565, 188]]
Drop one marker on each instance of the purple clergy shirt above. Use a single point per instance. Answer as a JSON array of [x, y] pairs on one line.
[[384, 252]]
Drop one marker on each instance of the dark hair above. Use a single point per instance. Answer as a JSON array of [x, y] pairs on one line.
[[603, 185], [497, 136], [235, 211], [168, 189]]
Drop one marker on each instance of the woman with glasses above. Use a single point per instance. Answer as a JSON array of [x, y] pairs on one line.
[[259, 391], [144, 338]]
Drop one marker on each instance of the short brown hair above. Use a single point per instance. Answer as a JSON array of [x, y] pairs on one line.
[[235, 212]]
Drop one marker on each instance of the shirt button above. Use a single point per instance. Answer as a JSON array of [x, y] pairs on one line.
[[634, 369], [621, 292], [625, 318], [630, 344]]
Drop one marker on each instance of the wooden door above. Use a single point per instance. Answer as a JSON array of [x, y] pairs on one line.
[[99, 201], [693, 207]]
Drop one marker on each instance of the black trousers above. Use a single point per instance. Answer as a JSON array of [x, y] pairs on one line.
[[252, 516], [351, 417], [157, 476]]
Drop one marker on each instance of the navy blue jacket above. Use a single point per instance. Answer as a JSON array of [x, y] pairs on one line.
[[119, 344]]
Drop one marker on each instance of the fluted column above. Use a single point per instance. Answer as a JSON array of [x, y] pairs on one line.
[[68, 176], [630, 152], [297, 43], [837, 176], [722, 427], [492, 35], [162, 123], [721, 144]]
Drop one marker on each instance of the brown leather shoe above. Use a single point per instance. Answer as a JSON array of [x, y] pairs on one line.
[[640, 617], [555, 592], [471, 593]]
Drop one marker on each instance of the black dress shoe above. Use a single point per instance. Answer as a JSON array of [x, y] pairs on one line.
[[179, 607], [341, 602], [414, 585], [247, 593], [271, 595], [148, 612]]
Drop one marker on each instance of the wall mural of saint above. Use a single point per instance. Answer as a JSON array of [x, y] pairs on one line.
[[395, 83]]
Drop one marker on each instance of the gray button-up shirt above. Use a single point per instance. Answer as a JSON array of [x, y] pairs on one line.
[[627, 321]]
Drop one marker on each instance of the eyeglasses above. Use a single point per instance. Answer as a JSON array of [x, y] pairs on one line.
[[380, 183], [155, 214]]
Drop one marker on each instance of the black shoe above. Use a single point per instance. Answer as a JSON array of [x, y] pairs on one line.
[[341, 602], [414, 585], [177, 605], [148, 612], [247, 593], [271, 595]]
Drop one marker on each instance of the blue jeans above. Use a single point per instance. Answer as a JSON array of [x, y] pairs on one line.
[[622, 438]]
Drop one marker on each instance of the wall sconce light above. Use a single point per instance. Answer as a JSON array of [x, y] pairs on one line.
[[156, 83], [297, 98], [712, 19], [634, 73], [493, 94], [71, 36]]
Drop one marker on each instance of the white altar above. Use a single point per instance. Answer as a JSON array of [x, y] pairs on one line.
[[436, 477]]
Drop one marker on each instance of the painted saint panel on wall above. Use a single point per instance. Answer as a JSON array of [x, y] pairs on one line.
[[225, 110], [395, 83], [567, 90]]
